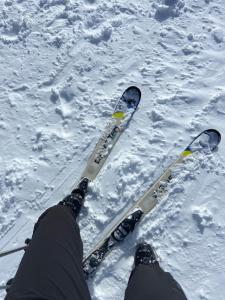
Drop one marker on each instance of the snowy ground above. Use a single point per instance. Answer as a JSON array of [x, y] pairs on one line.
[[63, 65]]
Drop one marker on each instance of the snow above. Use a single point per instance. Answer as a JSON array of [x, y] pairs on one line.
[[63, 65]]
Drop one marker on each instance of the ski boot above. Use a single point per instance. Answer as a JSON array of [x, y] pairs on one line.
[[144, 255], [76, 198]]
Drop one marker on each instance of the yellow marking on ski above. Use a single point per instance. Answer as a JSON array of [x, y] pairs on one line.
[[186, 153], [118, 115]]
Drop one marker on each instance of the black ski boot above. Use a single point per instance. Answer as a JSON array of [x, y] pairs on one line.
[[76, 198], [83, 185], [144, 255]]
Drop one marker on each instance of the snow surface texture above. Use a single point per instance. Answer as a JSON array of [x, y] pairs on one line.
[[63, 65]]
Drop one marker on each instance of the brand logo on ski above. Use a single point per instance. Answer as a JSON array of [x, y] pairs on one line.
[[105, 144]]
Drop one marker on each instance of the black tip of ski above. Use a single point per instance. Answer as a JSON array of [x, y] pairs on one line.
[[132, 96], [134, 88], [208, 140], [215, 132], [214, 138]]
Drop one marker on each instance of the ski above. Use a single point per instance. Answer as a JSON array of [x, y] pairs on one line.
[[122, 115], [117, 231]]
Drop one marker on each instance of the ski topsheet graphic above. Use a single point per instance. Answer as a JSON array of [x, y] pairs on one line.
[[121, 117], [117, 231]]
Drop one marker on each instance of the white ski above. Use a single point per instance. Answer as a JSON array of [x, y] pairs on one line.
[[117, 231], [121, 117]]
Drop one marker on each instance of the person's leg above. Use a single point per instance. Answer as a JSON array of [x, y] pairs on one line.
[[51, 267], [149, 282]]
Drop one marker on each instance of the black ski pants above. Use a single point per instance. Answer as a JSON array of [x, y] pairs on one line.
[[51, 268]]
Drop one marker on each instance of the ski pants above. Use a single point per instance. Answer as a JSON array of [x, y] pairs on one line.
[[51, 268]]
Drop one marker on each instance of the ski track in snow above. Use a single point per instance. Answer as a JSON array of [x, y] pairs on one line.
[[63, 65]]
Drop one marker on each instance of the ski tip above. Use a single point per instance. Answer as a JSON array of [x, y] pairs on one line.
[[132, 96], [214, 138], [214, 132], [206, 141], [134, 88]]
